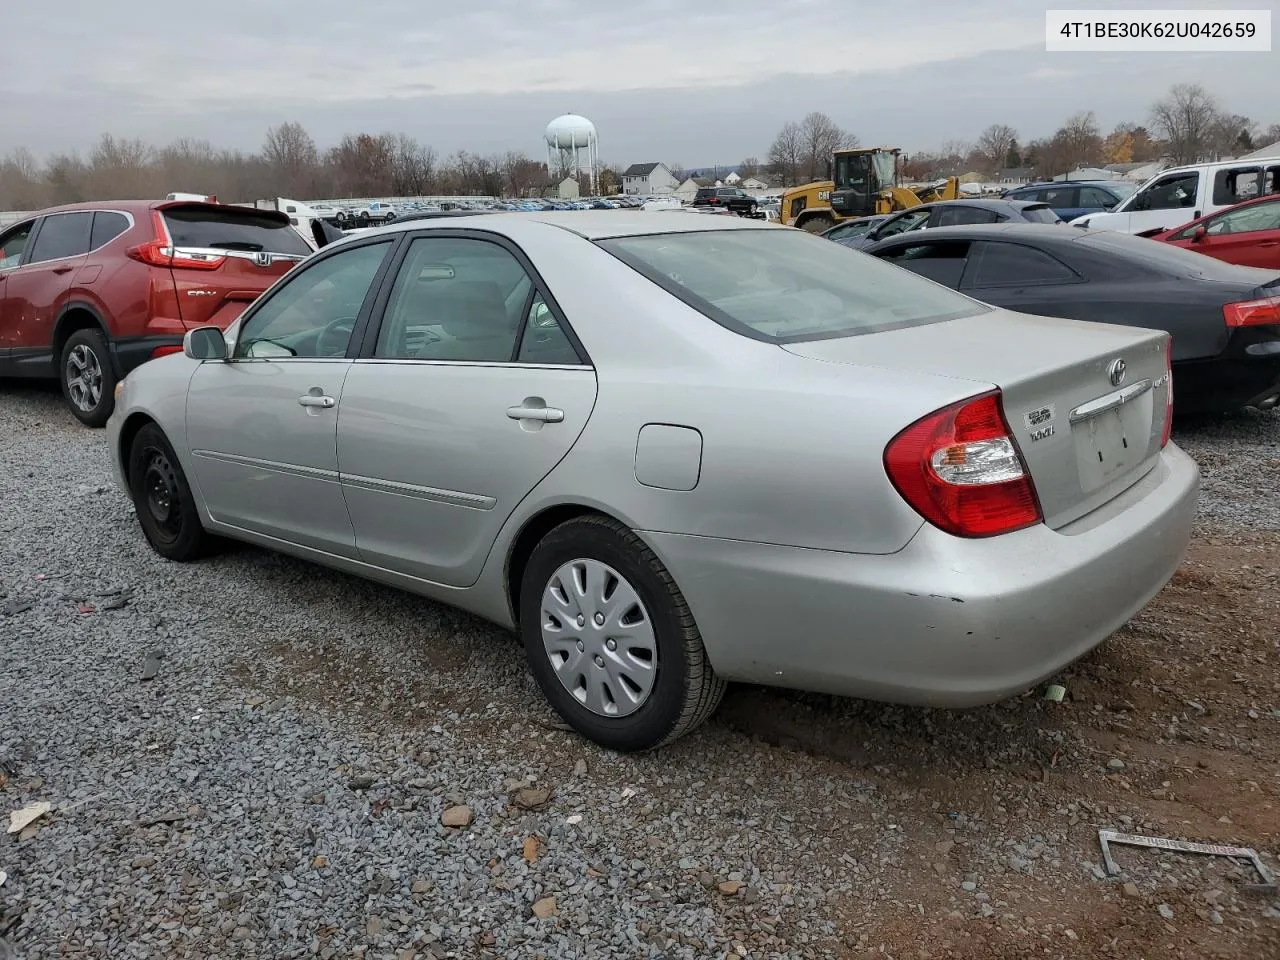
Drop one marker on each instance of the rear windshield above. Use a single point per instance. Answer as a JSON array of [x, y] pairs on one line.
[[707, 192], [225, 230], [1040, 214], [787, 285]]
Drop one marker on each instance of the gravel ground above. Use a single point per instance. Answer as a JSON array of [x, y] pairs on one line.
[[277, 788]]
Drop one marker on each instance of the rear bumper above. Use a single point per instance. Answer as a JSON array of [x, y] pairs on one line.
[[1228, 383], [944, 622], [129, 353]]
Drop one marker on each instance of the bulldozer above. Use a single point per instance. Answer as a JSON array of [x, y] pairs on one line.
[[864, 182]]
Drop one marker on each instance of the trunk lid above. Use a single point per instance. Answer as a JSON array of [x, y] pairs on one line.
[[225, 257], [1084, 436]]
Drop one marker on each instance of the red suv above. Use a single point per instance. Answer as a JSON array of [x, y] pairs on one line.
[[89, 291]]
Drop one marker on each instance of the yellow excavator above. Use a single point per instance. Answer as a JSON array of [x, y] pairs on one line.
[[864, 183]]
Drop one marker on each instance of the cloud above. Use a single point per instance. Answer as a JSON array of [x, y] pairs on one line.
[[661, 80]]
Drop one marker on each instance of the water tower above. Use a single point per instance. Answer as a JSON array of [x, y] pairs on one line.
[[567, 137]]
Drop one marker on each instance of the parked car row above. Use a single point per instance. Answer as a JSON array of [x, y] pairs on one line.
[[490, 417]]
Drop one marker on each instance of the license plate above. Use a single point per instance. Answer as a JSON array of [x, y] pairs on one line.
[[1103, 449]]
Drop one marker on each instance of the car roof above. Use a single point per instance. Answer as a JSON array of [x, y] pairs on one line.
[[1067, 183], [126, 206], [595, 224], [1030, 232], [981, 204]]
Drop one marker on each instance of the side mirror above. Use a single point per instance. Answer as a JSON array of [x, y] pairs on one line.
[[324, 232], [1199, 234], [204, 343]]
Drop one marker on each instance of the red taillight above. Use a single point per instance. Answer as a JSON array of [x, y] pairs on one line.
[[960, 469], [162, 253], [165, 351], [1168, 393], [1252, 313]]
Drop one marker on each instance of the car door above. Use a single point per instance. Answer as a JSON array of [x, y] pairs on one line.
[[1165, 203], [13, 246], [1017, 276], [33, 291], [262, 425], [1249, 236], [942, 261], [470, 390]]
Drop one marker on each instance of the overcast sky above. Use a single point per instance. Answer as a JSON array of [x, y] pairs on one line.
[[659, 81]]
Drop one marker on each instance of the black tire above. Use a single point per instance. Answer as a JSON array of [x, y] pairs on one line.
[[88, 381], [339, 217], [685, 690], [162, 498], [818, 224]]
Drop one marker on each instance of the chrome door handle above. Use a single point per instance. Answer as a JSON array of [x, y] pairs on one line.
[[543, 414], [313, 401]]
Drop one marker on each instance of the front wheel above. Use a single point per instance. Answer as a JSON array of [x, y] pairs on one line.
[[611, 640], [818, 224], [162, 498], [88, 382]]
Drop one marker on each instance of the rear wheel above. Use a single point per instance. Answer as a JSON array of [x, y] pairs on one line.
[[611, 640], [88, 382], [166, 509]]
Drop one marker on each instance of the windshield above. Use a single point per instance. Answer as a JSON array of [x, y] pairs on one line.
[[883, 164], [1122, 190], [787, 285]]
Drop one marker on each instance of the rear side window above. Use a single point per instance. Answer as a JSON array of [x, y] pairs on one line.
[[107, 225], [1095, 197], [783, 286], [1040, 215], [62, 235], [959, 215], [212, 229], [706, 192], [1235, 185], [1012, 264]]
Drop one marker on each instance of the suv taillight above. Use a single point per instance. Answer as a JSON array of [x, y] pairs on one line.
[[960, 469], [162, 253], [1168, 393]]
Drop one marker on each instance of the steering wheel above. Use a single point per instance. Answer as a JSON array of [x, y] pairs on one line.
[[333, 339]]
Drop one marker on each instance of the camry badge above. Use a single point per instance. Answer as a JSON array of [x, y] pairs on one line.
[[1116, 371]]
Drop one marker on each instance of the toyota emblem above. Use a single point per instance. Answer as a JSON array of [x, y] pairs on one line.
[[1116, 372]]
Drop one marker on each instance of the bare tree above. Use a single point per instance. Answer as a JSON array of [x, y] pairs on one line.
[[1188, 120], [994, 145], [413, 167], [121, 169], [364, 164], [1270, 135], [820, 137], [786, 152], [21, 181], [292, 155], [749, 167]]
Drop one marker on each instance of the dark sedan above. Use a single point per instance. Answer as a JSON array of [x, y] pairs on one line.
[[954, 213], [1224, 319]]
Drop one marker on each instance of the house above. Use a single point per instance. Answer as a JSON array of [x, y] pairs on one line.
[[1266, 152], [690, 187], [1088, 173], [568, 189], [753, 183], [1016, 175], [647, 179], [732, 180]]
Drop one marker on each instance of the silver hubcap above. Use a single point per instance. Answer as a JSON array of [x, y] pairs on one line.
[[84, 377], [599, 638]]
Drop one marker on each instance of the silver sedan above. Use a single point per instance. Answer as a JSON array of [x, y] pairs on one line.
[[676, 451]]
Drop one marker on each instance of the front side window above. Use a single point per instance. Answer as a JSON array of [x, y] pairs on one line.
[[13, 243], [1175, 192], [1260, 216], [911, 220], [314, 313], [455, 298], [62, 235], [784, 286]]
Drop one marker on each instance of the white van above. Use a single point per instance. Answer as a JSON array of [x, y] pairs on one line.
[[1174, 197]]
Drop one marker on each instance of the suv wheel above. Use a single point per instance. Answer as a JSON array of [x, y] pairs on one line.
[[88, 381], [610, 638]]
